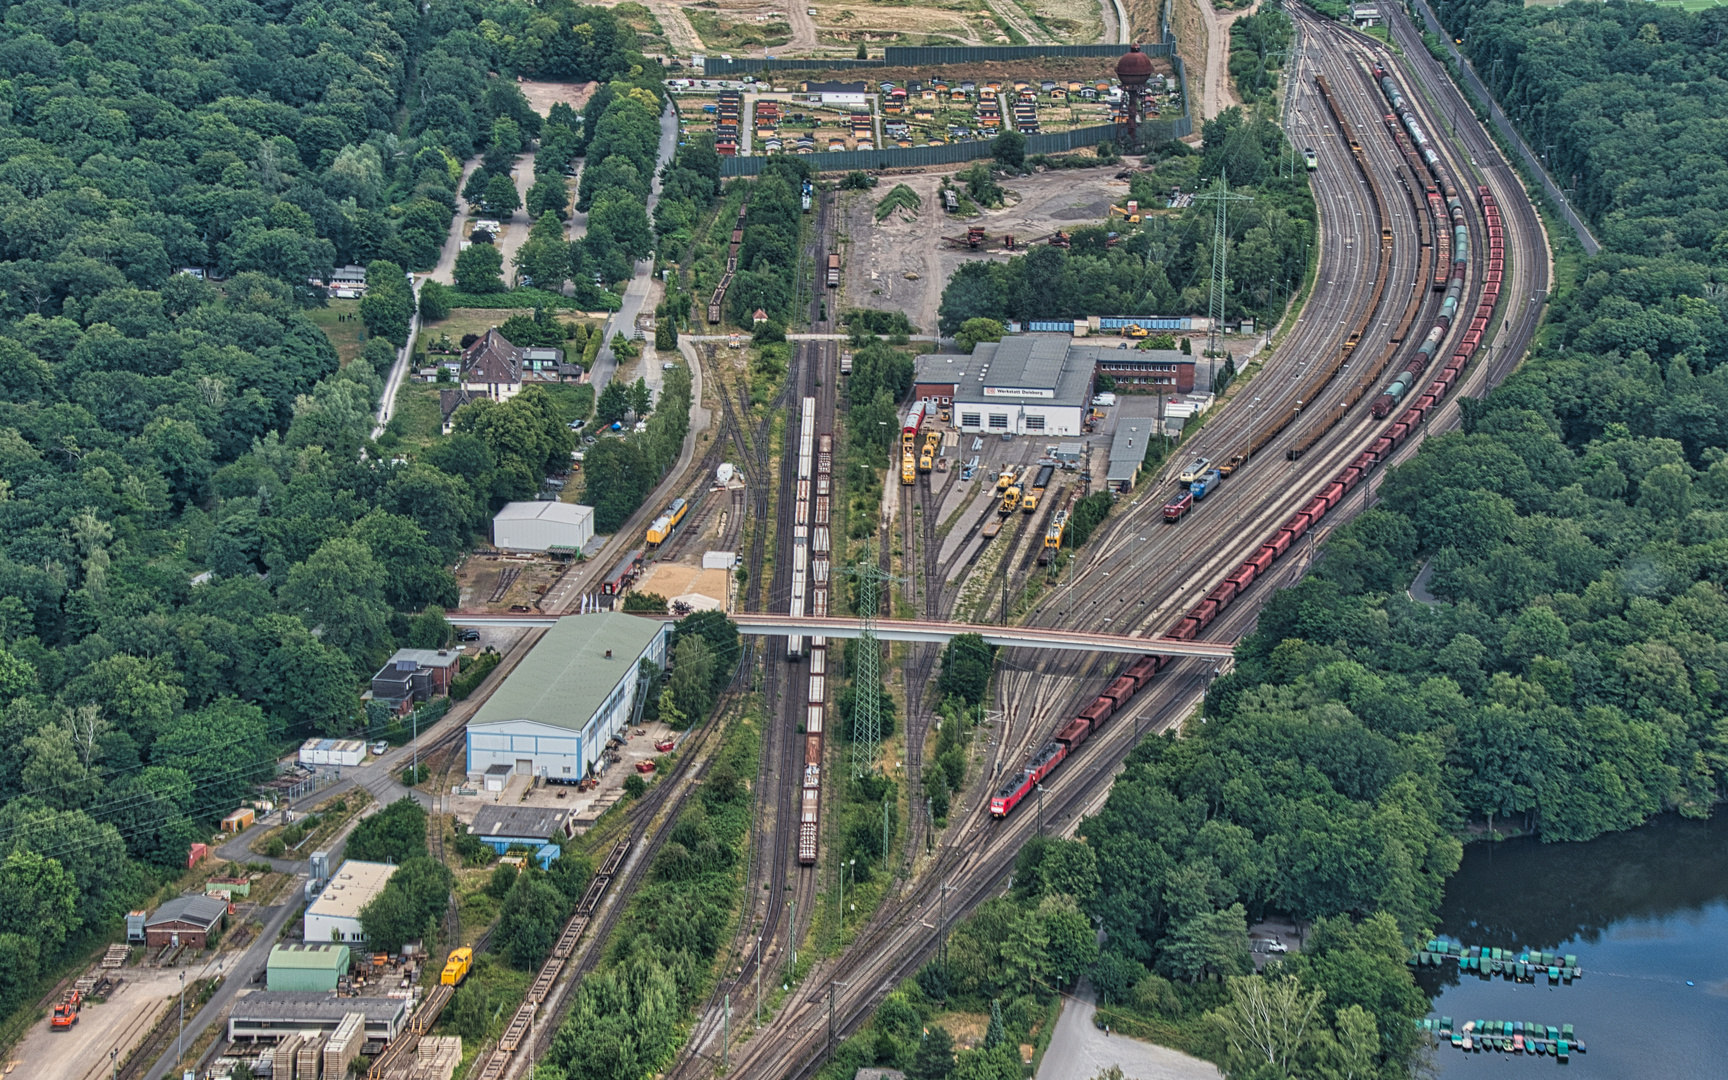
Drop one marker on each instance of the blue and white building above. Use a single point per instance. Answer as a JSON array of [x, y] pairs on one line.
[[577, 689]]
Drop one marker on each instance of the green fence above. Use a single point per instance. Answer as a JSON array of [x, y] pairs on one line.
[[921, 56]]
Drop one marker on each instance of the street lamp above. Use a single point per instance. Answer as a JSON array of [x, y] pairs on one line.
[[840, 904], [180, 1052]]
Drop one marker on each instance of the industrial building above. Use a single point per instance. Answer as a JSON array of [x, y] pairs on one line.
[[1136, 426], [276, 1014], [415, 675], [334, 916], [1029, 384], [575, 690], [536, 828], [542, 526], [305, 968], [1148, 370], [193, 922]]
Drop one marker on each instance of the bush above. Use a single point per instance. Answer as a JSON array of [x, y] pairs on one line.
[[634, 786], [470, 680]]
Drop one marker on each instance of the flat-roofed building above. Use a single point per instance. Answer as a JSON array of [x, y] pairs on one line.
[[334, 915]]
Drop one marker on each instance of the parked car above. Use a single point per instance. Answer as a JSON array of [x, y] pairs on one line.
[[469, 634], [380, 748]]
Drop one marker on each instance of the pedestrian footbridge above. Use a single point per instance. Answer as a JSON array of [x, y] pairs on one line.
[[1022, 637]]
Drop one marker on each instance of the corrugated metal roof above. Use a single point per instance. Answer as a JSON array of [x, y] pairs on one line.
[[198, 910], [310, 957], [567, 676], [568, 513]]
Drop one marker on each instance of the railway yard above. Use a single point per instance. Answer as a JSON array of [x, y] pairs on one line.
[[1431, 274], [1311, 450]]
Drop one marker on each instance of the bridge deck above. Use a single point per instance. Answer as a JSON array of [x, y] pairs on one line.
[[1032, 637]]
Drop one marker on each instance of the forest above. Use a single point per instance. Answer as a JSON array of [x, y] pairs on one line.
[[202, 553]]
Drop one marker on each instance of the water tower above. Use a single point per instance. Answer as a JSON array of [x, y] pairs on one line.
[[1132, 71]]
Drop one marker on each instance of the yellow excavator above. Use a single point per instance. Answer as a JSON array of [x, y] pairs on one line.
[[1130, 213]]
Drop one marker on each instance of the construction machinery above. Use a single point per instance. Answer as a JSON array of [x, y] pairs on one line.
[[1035, 492], [1136, 331], [973, 240], [1005, 479], [1129, 213], [66, 1012], [1010, 500], [1232, 465], [908, 468]]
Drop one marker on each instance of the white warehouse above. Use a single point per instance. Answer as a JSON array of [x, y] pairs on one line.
[[334, 915], [542, 526], [1028, 384], [578, 687]]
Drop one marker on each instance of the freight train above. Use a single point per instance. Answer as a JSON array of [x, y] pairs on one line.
[[811, 554], [1142, 671], [1448, 226]]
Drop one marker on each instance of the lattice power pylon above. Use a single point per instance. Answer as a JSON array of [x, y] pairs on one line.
[[1223, 197], [867, 670]]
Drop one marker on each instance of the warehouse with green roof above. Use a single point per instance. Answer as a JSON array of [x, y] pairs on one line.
[[307, 969], [575, 690]]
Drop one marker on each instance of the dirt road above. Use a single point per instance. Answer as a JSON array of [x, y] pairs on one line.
[[1218, 95]]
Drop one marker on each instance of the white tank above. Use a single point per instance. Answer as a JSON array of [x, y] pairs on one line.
[[723, 475]]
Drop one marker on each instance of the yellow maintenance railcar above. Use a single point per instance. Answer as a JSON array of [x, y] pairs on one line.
[[457, 966], [661, 529]]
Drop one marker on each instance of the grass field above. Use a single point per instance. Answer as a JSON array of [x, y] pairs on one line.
[[468, 321], [346, 336]]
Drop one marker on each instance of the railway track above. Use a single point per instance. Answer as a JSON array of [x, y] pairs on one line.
[[978, 857], [782, 892]]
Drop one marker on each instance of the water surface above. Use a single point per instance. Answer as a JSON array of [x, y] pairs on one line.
[[1645, 911]]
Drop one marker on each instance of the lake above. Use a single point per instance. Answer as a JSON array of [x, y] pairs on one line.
[[1645, 911]]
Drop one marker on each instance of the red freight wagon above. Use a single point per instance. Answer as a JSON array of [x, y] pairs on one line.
[[1281, 542], [1099, 711], [1243, 577], [1205, 611], [1332, 493], [1262, 559], [1142, 670], [1186, 630], [1495, 266], [1074, 732], [1381, 445], [1350, 477], [1120, 691]]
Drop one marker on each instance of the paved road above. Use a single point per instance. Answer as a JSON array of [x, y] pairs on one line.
[[237, 977], [636, 293], [1080, 1051], [443, 272]]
